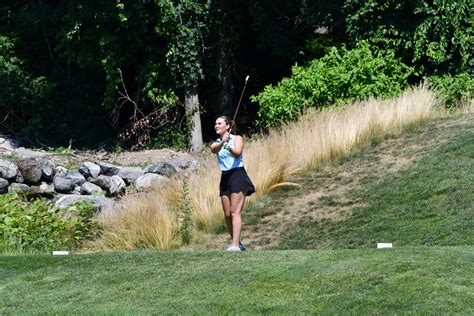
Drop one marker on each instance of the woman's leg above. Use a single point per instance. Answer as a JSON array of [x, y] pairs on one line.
[[237, 201], [225, 199]]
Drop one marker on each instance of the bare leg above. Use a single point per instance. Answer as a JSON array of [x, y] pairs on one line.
[[225, 199], [237, 201]]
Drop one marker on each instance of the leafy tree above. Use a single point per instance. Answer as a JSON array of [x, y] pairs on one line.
[[435, 36], [184, 57], [21, 93]]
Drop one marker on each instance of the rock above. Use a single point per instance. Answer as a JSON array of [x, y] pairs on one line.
[[63, 184], [19, 179], [117, 186], [24, 153], [48, 168], [162, 168], [18, 188], [77, 190], [130, 174], [114, 185], [4, 186], [30, 170], [90, 169], [8, 170], [61, 171], [88, 188], [9, 144], [102, 181], [108, 169], [42, 189], [184, 162], [65, 201], [150, 182], [77, 178]]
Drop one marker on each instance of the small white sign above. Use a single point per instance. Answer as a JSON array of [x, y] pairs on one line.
[[60, 253], [384, 245]]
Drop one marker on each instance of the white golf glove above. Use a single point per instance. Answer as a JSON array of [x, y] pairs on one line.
[[227, 146]]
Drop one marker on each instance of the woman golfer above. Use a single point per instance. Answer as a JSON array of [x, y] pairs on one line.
[[235, 184]]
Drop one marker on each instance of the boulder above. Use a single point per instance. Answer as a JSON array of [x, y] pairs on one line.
[[63, 184], [117, 186], [61, 171], [9, 144], [18, 179], [42, 189], [184, 163], [24, 153], [18, 188], [48, 168], [30, 170], [88, 188], [8, 170], [162, 168], [108, 169], [77, 190], [89, 169], [4, 186], [130, 174], [77, 178], [150, 182], [99, 202], [114, 185]]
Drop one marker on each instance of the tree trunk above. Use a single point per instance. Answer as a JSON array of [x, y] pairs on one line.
[[225, 95], [191, 102]]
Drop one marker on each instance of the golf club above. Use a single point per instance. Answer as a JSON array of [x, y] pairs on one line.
[[238, 105]]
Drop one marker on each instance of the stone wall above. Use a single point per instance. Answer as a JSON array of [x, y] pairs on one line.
[[95, 181]]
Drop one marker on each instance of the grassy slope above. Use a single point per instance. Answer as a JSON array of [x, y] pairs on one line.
[[422, 279], [412, 189]]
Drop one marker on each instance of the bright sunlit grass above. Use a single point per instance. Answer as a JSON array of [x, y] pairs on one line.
[[151, 220]]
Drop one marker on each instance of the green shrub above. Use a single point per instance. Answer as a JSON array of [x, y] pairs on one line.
[[340, 76], [169, 137], [185, 211], [455, 90], [28, 226]]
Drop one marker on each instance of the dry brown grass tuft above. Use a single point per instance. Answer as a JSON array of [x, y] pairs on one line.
[[151, 221]]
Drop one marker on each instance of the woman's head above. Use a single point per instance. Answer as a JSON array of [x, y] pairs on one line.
[[222, 125]]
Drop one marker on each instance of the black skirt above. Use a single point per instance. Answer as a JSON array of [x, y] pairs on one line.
[[235, 180]]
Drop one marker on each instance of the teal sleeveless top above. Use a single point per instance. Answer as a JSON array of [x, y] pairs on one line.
[[226, 160]]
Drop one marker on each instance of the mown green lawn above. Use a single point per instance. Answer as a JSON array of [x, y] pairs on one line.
[[427, 280], [425, 208]]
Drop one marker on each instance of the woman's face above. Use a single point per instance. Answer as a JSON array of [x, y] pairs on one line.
[[221, 126]]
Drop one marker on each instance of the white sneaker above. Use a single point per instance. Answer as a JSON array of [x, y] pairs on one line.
[[233, 248]]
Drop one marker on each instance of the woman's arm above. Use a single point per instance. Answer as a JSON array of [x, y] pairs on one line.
[[238, 146], [216, 146]]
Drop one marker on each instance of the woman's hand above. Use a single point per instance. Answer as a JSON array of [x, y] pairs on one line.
[[226, 137]]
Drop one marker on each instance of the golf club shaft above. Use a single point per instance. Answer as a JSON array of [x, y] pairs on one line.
[[238, 104]]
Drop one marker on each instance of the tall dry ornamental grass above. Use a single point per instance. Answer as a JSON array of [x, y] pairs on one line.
[[151, 221]]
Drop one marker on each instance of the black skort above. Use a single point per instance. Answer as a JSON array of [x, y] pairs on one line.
[[235, 180]]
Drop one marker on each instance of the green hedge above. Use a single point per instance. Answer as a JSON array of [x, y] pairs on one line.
[[340, 76]]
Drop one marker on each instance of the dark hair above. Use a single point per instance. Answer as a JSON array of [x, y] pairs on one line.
[[233, 127]]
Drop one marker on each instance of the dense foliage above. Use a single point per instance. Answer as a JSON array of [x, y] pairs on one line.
[[117, 73], [29, 226], [456, 90], [341, 75]]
